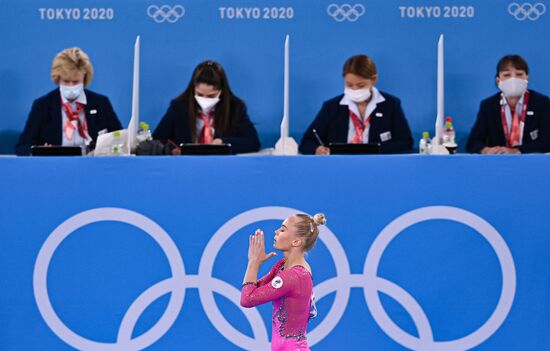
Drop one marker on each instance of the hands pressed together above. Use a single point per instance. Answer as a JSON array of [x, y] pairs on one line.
[[256, 249]]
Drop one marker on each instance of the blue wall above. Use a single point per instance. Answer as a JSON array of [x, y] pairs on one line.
[[433, 243], [394, 33]]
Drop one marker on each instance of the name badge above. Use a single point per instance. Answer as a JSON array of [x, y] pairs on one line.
[[379, 114], [386, 136], [93, 112], [534, 134], [530, 113]]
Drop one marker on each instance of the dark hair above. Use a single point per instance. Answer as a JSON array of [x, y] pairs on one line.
[[211, 73], [515, 61], [361, 65]]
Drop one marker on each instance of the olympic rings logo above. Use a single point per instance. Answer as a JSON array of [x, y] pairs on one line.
[[527, 10], [346, 12], [165, 13], [206, 284]]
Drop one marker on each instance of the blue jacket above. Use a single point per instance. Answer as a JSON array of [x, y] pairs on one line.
[[488, 131], [332, 124], [44, 124], [175, 126]]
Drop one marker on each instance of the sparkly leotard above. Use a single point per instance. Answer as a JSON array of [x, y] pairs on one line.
[[291, 292]]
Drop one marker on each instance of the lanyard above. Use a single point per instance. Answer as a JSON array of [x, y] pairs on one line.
[[73, 116], [513, 136], [206, 136], [359, 126]]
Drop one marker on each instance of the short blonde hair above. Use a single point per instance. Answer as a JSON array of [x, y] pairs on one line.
[[69, 60]]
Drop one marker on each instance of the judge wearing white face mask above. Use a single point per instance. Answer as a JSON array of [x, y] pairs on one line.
[[207, 112], [69, 115], [514, 121], [363, 114]]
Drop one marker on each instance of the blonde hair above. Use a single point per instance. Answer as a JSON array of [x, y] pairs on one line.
[[307, 228], [69, 60]]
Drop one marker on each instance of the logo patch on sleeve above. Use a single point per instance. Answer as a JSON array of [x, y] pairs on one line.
[[277, 282]]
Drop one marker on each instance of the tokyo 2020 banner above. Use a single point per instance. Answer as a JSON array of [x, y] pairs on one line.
[[247, 37], [151, 261]]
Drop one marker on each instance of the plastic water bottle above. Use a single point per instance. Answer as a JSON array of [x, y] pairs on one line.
[[144, 132], [117, 146], [449, 140], [425, 146], [449, 133]]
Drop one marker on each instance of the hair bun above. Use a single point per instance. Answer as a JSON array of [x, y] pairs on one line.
[[320, 219]]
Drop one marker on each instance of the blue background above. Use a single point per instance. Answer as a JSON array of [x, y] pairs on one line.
[[99, 270], [404, 50]]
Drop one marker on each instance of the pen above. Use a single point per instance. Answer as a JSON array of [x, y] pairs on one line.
[[318, 138]]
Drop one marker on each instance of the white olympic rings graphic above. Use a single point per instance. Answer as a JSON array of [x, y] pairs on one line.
[[527, 10], [425, 341], [346, 12], [166, 13], [369, 281]]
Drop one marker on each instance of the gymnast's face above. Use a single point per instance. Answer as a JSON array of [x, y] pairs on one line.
[[206, 90], [285, 237]]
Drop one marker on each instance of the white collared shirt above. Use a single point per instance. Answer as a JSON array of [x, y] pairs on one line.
[[508, 114], [77, 139], [377, 98]]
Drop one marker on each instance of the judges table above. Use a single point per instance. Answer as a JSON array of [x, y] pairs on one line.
[[134, 253]]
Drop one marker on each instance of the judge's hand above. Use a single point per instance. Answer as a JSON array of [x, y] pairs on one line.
[[508, 151], [500, 150], [322, 150]]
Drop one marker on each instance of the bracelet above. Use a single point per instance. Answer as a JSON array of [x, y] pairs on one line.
[[249, 283]]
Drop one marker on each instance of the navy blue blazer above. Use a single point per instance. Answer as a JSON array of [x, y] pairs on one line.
[[488, 131], [332, 124], [45, 121], [175, 127]]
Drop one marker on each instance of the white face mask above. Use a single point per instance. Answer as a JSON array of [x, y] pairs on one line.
[[71, 92], [358, 95], [513, 87], [207, 104]]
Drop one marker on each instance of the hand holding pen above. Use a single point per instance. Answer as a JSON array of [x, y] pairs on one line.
[[321, 149]]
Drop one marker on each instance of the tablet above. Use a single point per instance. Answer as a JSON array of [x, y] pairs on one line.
[[37, 150], [205, 149], [354, 149]]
